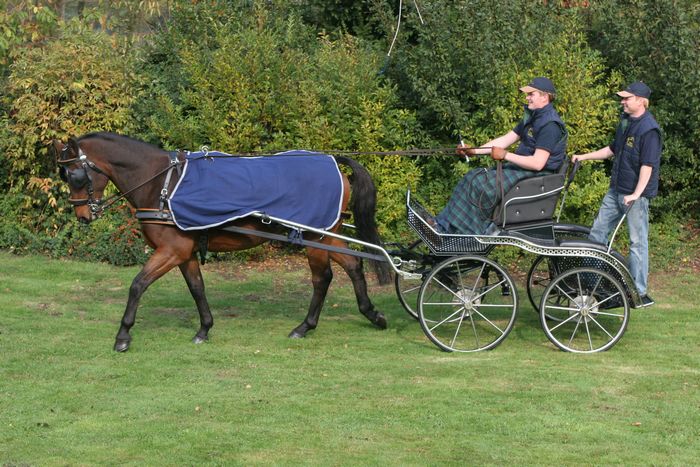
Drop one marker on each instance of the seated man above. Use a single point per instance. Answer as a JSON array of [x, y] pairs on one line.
[[542, 150]]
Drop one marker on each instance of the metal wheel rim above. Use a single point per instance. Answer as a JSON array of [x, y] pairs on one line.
[[596, 313]]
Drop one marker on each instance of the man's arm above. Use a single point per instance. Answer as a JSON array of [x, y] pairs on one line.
[[600, 154], [501, 142], [535, 162], [644, 176], [650, 157], [547, 140]]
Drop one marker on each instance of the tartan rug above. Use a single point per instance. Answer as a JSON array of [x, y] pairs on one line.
[[470, 208]]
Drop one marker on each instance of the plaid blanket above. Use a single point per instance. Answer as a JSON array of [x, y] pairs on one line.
[[471, 205], [216, 188]]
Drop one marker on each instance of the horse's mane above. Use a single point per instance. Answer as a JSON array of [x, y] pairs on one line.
[[117, 138]]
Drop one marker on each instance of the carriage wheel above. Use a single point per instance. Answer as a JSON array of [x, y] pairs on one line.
[[467, 304], [539, 276], [591, 308], [407, 289]]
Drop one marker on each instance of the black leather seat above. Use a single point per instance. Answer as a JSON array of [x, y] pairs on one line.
[[529, 206]]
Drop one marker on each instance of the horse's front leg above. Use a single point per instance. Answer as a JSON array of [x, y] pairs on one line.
[[156, 266], [193, 276], [321, 277], [353, 267]]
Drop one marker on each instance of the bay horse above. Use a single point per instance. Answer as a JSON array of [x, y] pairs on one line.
[[140, 172]]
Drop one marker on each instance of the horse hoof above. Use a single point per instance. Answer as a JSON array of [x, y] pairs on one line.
[[380, 321], [295, 335], [199, 340], [121, 346]]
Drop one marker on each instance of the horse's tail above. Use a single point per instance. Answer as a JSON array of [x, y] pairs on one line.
[[363, 203]]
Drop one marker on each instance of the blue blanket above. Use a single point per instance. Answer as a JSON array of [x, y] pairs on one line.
[[215, 188]]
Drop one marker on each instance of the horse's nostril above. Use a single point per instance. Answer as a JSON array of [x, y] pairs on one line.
[[83, 220]]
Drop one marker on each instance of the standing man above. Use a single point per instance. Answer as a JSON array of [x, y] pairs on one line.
[[634, 179]]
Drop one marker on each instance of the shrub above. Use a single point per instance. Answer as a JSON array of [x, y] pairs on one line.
[[74, 84]]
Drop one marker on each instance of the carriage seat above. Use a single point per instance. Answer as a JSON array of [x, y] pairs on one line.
[[532, 201]]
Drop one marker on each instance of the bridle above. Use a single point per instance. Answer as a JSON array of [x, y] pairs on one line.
[[81, 177]]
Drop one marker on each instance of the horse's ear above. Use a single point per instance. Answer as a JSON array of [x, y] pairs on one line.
[[73, 148], [55, 148]]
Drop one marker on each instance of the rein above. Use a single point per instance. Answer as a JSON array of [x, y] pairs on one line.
[[333, 152]]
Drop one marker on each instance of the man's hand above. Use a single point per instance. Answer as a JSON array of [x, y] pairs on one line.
[[629, 199], [498, 154], [465, 151], [577, 157]]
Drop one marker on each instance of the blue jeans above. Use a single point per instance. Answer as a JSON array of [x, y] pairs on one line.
[[611, 210]]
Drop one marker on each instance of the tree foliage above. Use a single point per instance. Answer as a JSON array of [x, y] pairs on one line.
[[264, 76]]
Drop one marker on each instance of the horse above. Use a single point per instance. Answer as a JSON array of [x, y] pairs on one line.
[[140, 172]]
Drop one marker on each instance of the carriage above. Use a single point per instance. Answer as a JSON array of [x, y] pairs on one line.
[[463, 298], [466, 301]]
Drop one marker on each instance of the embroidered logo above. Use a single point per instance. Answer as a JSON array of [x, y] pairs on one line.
[[630, 142], [531, 132]]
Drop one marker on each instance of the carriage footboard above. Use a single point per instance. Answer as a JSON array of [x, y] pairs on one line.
[[440, 244]]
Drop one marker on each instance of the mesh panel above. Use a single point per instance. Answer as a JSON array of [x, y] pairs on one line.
[[441, 244]]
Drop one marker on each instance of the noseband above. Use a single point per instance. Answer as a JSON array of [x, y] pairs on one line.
[[81, 178]]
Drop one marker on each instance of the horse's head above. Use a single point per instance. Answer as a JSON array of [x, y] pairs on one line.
[[85, 180]]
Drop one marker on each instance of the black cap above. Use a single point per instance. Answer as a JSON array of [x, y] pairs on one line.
[[540, 84], [638, 89]]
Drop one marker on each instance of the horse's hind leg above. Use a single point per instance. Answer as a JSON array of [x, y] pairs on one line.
[[353, 267], [157, 265], [193, 276], [321, 277]]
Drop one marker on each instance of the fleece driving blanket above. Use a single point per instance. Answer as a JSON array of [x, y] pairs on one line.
[[299, 186]]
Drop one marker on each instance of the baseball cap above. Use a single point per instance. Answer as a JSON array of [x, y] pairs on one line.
[[541, 84], [638, 89]]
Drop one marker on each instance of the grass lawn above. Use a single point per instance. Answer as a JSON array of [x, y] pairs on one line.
[[348, 394]]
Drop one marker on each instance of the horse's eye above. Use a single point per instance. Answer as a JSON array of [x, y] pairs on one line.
[[62, 174]]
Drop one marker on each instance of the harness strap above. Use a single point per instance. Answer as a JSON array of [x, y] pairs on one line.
[[302, 242], [174, 162], [154, 216], [499, 187]]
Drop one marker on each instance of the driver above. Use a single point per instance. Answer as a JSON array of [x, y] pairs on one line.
[[542, 150]]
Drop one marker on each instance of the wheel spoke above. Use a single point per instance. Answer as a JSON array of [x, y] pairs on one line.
[[459, 325], [448, 319], [573, 334], [601, 327], [563, 322]]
